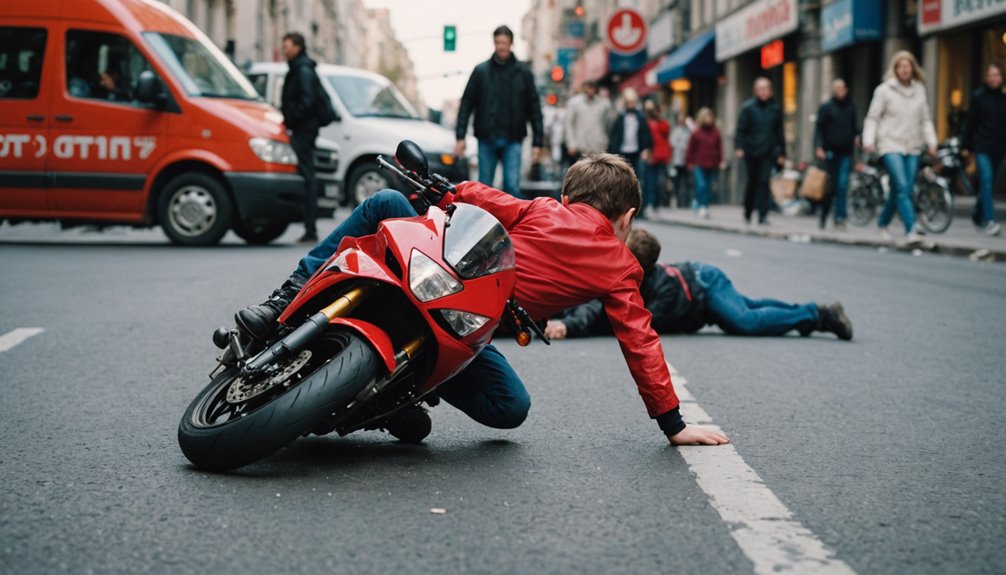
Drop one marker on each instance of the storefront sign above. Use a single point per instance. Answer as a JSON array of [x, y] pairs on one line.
[[846, 22], [759, 22], [626, 32], [773, 54], [938, 15]]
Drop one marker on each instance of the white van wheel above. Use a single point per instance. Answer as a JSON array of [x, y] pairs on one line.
[[366, 180], [194, 210]]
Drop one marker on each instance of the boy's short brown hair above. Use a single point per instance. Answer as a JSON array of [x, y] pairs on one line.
[[606, 182], [645, 246]]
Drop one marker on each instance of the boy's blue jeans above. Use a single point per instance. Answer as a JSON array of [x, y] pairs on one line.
[[740, 315], [495, 150], [488, 390]]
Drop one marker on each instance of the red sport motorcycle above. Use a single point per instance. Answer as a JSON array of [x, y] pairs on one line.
[[386, 320]]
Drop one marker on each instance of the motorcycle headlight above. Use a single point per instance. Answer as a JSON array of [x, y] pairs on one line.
[[462, 322], [273, 152], [427, 280]]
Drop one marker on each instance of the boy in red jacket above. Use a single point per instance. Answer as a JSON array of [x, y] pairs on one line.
[[600, 197]]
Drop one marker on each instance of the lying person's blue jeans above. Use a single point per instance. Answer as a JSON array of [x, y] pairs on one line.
[[740, 315], [488, 390]]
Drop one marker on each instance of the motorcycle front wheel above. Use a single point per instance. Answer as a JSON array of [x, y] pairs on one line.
[[935, 206], [861, 203], [233, 422]]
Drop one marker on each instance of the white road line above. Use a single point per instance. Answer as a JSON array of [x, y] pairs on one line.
[[762, 526], [12, 338]]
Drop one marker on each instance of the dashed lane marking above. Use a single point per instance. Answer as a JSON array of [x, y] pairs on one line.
[[764, 529], [13, 338]]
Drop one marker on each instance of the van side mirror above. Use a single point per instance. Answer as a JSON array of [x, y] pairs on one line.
[[150, 90], [412, 157]]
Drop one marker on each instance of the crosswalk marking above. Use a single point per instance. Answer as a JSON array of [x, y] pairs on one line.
[[764, 529], [13, 338]]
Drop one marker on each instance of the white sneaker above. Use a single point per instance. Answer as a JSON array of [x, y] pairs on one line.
[[704, 213], [913, 237], [885, 235], [992, 229]]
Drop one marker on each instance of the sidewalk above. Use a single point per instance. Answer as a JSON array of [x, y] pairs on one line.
[[961, 239]]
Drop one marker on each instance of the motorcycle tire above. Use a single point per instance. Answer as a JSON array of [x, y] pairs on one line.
[[345, 364], [861, 206], [934, 205]]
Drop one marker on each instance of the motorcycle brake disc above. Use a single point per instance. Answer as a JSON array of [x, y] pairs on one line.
[[241, 391]]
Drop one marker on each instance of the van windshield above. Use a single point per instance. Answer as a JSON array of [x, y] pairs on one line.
[[201, 69], [365, 96]]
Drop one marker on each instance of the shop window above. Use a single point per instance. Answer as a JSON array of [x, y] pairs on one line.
[[22, 51], [102, 66]]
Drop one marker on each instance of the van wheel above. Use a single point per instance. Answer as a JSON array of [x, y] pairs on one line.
[[260, 234], [194, 210], [366, 180]]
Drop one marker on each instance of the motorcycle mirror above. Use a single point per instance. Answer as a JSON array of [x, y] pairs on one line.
[[411, 156]]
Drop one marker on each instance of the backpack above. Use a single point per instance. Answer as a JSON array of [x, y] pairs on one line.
[[325, 112]]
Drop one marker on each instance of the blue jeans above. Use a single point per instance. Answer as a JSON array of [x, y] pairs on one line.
[[491, 152], [838, 166], [653, 185], [902, 169], [988, 169], [488, 390], [740, 315], [703, 179]]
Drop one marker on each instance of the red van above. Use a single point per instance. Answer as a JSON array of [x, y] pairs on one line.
[[123, 112]]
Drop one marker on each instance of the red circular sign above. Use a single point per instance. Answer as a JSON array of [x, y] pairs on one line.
[[626, 31]]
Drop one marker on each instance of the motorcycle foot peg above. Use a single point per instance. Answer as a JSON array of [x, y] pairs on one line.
[[221, 337]]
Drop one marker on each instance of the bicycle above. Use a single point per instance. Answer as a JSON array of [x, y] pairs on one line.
[[869, 186]]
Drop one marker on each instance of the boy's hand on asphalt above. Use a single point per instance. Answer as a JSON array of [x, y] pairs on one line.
[[694, 435], [555, 329]]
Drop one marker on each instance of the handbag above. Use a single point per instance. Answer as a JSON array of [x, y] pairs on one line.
[[815, 184]]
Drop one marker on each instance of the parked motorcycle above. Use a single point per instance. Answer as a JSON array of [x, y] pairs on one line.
[[869, 186], [386, 320]]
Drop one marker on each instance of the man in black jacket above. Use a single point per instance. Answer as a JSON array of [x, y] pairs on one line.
[[759, 141], [502, 94], [985, 135], [630, 134], [685, 297], [835, 137], [299, 106]]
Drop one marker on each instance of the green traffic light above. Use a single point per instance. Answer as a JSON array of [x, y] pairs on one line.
[[450, 38]]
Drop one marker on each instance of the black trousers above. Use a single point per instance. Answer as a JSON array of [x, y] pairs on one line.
[[756, 192], [303, 145]]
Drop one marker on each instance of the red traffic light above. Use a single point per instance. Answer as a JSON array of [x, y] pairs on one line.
[[558, 74], [579, 11], [552, 99]]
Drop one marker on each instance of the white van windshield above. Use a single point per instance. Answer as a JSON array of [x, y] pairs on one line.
[[365, 96], [201, 69]]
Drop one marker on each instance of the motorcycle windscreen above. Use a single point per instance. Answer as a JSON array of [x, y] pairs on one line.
[[475, 243]]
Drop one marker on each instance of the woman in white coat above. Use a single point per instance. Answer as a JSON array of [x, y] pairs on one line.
[[899, 127]]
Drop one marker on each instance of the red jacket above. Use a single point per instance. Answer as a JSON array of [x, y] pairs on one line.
[[661, 131], [705, 148], [550, 239]]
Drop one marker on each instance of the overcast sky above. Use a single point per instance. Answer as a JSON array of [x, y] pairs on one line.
[[419, 24]]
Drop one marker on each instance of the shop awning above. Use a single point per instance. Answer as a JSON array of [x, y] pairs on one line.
[[644, 82], [695, 58]]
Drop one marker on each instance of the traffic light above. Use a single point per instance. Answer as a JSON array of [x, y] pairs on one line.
[[558, 74], [450, 38]]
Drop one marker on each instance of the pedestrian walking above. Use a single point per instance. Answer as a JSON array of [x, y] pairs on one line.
[[836, 135], [681, 134], [704, 158], [502, 95], [685, 297], [985, 136], [899, 127], [588, 117], [655, 169], [759, 141], [630, 134], [299, 104]]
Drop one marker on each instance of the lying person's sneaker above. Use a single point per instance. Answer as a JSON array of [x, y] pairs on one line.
[[259, 321], [832, 319], [410, 425]]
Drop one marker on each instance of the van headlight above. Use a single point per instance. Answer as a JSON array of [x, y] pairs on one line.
[[427, 280], [273, 152]]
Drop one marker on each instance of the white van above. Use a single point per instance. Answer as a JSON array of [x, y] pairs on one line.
[[373, 118]]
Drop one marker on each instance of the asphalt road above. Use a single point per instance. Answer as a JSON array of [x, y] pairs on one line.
[[887, 449]]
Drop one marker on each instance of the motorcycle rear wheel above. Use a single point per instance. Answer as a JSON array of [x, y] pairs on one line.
[[218, 435], [935, 206]]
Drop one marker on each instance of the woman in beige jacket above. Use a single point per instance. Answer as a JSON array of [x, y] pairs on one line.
[[899, 127]]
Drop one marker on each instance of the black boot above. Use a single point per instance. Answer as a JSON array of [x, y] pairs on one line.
[[410, 425], [259, 321], [832, 319]]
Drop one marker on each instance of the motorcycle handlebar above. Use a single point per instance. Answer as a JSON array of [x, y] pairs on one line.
[[388, 166]]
